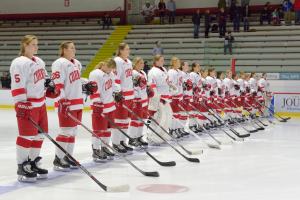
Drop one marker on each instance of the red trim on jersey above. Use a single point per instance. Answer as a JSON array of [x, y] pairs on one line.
[[128, 93], [144, 101], [165, 96], [109, 105], [23, 142], [153, 86], [17, 92], [36, 143], [60, 85], [93, 96], [123, 59], [33, 59], [159, 68], [117, 81], [36, 100], [72, 60], [73, 102], [178, 96]]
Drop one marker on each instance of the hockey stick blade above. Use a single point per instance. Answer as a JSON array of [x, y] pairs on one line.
[[193, 159], [165, 164], [122, 188], [239, 139], [226, 143], [261, 128], [282, 120], [153, 174], [287, 118], [213, 146], [197, 152], [253, 131], [244, 136]]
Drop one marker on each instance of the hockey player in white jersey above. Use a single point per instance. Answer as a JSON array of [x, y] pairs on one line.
[[28, 75], [266, 93], [102, 102], [237, 87], [187, 95], [247, 104], [221, 93], [123, 79], [229, 96], [204, 98], [241, 83], [140, 103], [175, 77], [66, 73], [196, 97], [254, 91], [159, 80], [213, 94]]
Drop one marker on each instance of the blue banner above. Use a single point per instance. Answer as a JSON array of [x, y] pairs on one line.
[[289, 76]]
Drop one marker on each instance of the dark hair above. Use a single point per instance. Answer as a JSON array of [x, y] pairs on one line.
[[234, 75], [156, 42], [219, 74], [229, 32]]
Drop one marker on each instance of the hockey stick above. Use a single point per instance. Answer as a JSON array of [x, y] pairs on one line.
[[252, 99], [283, 119], [188, 159], [268, 117], [155, 174], [251, 131], [236, 139], [254, 117], [220, 143], [189, 152], [122, 188], [230, 128], [209, 145], [262, 113]]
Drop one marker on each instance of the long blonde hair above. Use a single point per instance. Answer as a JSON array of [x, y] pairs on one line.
[[227, 71], [26, 40], [109, 62], [135, 61], [64, 45], [120, 47], [172, 62], [156, 58]]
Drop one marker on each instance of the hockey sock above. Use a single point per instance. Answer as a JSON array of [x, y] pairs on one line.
[[95, 141], [71, 142], [140, 130], [23, 144], [36, 146], [134, 128], [63, 139]]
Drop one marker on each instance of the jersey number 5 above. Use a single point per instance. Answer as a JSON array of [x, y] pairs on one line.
[[17, 78]]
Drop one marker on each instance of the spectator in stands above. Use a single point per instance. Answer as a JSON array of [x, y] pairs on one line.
[[106, 20], [158, 50], [275, 17], [297, 11], [207, 23], [196, 21], [231, 10], [287, 5], [246, 16], [245, 2], [146, 67], [222, 22], [148, 12], [5, 80], [171, 6], [222, 4], [237, 12], [229, 40], [161, 7], [268, 4], [265, 15]]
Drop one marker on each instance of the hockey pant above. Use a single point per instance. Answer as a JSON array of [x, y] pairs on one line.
[[67, 132], [29, 142], [163, 120], [122, 119], [102, 128]]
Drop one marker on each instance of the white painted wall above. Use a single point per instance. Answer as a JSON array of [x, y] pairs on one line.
[[279, 86], [57, 6]]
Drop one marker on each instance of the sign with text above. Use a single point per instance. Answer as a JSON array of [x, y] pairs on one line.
[[67, 3], [270, 76], [290, 76], [287, 102]]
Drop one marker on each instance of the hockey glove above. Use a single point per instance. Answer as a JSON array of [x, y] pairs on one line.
[[23, 110], [196, 90], [236, 87], [53, 92], [206, 87], [89, 88], [98, 109], [119, 99], [196, 97], [137, 103], [64, 107], [254, 94], [142, 82], [259, 89], [211, 93], [220, 91], [150, 92], [248, 89], [188, 85], [242, 93]]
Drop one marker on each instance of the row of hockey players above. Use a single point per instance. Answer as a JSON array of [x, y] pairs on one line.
[[113, 85]]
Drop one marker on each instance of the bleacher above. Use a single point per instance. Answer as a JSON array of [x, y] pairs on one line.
[[87, 35], [259, 49]]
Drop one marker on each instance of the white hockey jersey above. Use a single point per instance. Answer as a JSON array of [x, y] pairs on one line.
[[247, 85], [124, 77], [146, 10], [186, 76], [175, 77], [242, 85], [66, 75], [229, 87], [214, 86], [158, 78], [253, 85], [27, 80], [264, 84], [138, 91], [105, 83], [237, 92], [205, 94], [221, 85], [197, 82]]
